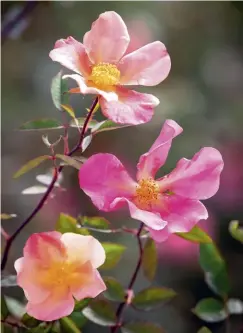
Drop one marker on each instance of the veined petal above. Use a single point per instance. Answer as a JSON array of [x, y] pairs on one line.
[[45, 247], [147, 66], [151, 219], [92, 288], [85, 89], [150, 162], [197, 178], [181, 213], [108, 39], [83, 248], [57, 305], [131, 107], [71, 54], [103, 178]]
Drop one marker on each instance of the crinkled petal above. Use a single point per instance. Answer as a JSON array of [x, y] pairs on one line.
[[181, 213], [85, 89], [159, 235], [108, 39], [150, 162], [58, 305], [131, 108], [83, 248], [44, 247], [103, 178], [147, 66], [71, 54], [197, 178], [92, 288], [27, 278], [151, 219]]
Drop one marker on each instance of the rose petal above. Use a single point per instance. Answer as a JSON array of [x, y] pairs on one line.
[[71, 54], [44, 247], [27, 278], [147, 66], [159, 235], [84, 89], [108, 39], [197, 178], [59, 304], [83, 248], [181, 213], [151, 219], [103, 178], [150, 162], [131, 108], [93, 288]]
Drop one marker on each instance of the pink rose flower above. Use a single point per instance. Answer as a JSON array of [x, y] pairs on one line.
[[103, 69], [167, 205], [55, 268]]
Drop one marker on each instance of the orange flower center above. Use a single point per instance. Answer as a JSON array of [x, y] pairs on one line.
[[105, 75], [147, 193]]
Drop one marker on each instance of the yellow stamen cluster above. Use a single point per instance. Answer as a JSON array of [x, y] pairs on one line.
[[147, 193], [105, 75]]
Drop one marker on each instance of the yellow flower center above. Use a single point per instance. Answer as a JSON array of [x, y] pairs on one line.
[[105, 75], [147, 193]]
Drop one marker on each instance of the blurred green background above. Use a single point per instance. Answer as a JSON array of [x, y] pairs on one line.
[[203, 93]]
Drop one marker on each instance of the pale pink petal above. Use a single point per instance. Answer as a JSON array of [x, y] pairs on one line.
[[56, 306], [83, 248], [180, 213], [159, 235], [150, 162], [151, 219], [197, 178], [147, 66], [84, 89], [71, 54], [108, 39], [103, 178], [131, 108], [27, 278], [44, 247], [92, 289]]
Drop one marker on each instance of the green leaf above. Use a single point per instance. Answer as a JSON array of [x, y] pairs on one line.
[[196, 235], [107, 125], [69, 160], [210, 310], [86, 142], [235, 306], [41, 124], [214, 268], [4, 216], [67, 223], [204, 329], [80, 122], [152, 297], [43, 327], [9, 281], [80, 305], [16, 308], [6, 329], [31, 165], [78, 318], [115, 291], [30, 321], [101, 313], [95, 222], [149, 260], [142, 327], [59, 91], [68, 325], [235, 231], [69, 110], [113, 253], [4, 308]]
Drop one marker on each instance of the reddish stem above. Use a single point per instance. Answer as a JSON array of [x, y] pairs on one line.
[[48, 191], [122, 306]]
